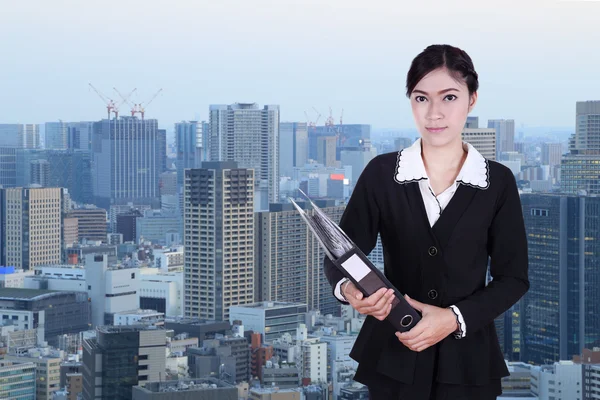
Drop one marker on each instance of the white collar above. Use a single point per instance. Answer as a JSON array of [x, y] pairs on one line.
[[410, 167]]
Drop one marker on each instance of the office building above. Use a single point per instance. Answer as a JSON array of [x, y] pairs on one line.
[[289, 260], [326, 150], [79, 135], [8, 166], [167, 184], [122, 357], [57, 135], [56, 168], [112, 289], [248, 135], [187, 389], [91, 222], [191, 141], [13, 278], [219, 239], [21, 384], [293, 146], [30, 217], [559, 312], [227, 357], [484, 140], [51, 313], [505, 135], [580, 168], [347, 135], [126, 155], [266, 317], [551, 154], [358, 157], [47, 370], [472, 122]]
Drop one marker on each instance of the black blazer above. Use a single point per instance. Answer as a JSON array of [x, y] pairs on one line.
[[441, 265]]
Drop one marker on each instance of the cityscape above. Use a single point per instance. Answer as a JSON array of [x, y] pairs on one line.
[[148, 245]]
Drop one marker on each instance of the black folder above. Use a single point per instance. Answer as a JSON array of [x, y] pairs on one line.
[[352, 262]]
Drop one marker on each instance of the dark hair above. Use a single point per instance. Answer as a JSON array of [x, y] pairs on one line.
[[455, 60]]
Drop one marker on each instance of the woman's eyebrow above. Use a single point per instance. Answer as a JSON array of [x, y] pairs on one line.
[[440, 92]]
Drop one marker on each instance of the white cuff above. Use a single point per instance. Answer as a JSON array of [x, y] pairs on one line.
[[338, 290], [461, 323]]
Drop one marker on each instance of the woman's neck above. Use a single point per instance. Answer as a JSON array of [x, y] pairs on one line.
[[442, 160]]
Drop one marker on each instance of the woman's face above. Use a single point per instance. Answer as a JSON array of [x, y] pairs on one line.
[[440, 105]]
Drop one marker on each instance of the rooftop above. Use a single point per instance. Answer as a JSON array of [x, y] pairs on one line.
[[25, 294], [269, 305]]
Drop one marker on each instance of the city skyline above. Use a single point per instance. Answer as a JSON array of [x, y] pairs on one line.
[[298, 56]]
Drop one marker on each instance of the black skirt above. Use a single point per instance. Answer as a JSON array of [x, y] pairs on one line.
[[424, 387]]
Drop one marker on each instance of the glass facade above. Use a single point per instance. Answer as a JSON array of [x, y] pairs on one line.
[[559, 314]]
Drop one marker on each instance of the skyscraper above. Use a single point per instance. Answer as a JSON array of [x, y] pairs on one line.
[[57, 135], [505, 135], [32, 226], [484, 141], [20, 135], [560, 315], [248, 135], [29, 136], [126, 162], [121, 357], [551, 154], [580, 169], [288, 258], [293, 146], [79, 135], [191, 144], [219, 239]]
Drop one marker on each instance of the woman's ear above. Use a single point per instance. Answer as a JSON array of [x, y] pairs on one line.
[[472, 101]]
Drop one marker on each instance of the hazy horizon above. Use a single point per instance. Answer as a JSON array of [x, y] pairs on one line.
[[535, 60]]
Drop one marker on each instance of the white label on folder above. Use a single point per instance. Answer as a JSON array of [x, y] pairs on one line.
[[356, 267]]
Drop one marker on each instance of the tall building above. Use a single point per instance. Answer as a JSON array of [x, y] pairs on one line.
[[47, 372], [8, 166], [56, 168], [472, 122], [125, 153], [191, 142], [484, 140], [288, 259], [79, 135], [121, 357], [560, 314], [21, 372], [347, 136], [293, 146], [505, 135], [57, 135], [9, 135], [551, 154], [248, 135], [32, 226], [219, 239], [326, 150], [358, 157], [580, 168], [91, 223]]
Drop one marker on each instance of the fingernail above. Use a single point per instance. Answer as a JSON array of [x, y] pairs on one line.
[[408, 296]]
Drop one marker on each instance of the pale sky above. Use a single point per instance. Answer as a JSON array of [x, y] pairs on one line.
[[535, 59]]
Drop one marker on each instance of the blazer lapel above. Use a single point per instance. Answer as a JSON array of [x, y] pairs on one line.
[[444, 227]]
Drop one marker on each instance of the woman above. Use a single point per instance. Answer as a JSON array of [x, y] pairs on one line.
[[441, 209]]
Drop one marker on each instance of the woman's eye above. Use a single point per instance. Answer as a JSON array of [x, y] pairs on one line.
[[420, 99], [450, 97]]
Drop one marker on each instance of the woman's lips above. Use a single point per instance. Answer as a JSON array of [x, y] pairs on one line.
[[435, 130]]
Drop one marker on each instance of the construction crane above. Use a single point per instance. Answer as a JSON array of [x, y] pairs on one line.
[[110, 104], [125, 100], [312, 124], [140, 108]]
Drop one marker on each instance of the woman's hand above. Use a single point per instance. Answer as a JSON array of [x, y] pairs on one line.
[[437, 323], [379, 304]]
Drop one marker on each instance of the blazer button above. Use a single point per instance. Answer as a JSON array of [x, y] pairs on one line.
[[433, 251], [432, 294]]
